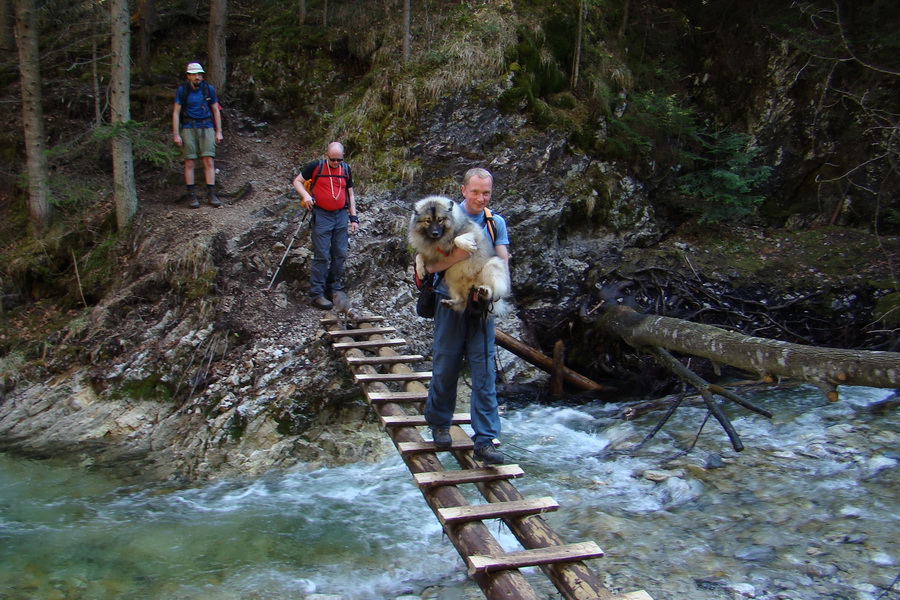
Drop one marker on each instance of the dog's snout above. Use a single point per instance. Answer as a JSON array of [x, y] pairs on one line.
[[435, 231]]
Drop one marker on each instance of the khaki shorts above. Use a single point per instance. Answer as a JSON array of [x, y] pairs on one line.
[[197, 142]]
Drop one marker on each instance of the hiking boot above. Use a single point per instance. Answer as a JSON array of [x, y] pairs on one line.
[[322, 302], [213, 200], [441, 437], [489, 455], [193, 202]]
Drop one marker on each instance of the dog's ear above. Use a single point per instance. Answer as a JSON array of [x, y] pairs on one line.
[[449, 205]]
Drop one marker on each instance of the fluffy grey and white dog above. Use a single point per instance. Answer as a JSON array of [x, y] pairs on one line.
[[436, 226]]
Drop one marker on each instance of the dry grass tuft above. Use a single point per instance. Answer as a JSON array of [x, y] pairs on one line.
[[192, 271]]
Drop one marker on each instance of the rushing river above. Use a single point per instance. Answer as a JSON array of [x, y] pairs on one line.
[[809, 510]]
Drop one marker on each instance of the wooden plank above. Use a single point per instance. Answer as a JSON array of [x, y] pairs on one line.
[[419, 420], [418, 447], [385, 377], [363, 319], [360, 332], [398, 397], [384, 360], [367, 344], [436, 478], [496, 510], [534, 557]]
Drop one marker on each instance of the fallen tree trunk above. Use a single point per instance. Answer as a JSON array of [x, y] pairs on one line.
[[825, 368]]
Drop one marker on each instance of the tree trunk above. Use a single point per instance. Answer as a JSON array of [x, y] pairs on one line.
[[218, 60], [406, 20], [579, 42], [33, 117], [823, 367], [95, 83], [7, 26], [148, 21], [624, 24], [301, 11], [123, 159]]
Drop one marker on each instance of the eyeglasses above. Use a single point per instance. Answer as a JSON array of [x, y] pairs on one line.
[[335, 159]]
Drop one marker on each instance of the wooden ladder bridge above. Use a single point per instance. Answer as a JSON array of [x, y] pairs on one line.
[[397, 394]]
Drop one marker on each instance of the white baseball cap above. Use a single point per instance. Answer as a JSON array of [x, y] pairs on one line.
[[195, 68]]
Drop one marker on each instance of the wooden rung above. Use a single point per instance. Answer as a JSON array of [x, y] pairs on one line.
[[418, 447], [534, 557], [360, 332], [419, 420], [367, 344], [496, 510], [398, 397], [437, 478], [363, 319], [384, 360], [370, 377]]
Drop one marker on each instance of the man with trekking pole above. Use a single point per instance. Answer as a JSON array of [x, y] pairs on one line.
[[332, 202]]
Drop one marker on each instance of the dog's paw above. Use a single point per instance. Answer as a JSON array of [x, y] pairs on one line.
[[485, 293], [467, 242], [421, 273], [453, 304]]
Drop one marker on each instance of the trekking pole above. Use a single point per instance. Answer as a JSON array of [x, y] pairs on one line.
[[290, 244]]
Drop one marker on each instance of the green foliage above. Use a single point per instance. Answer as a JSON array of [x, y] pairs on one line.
[[98, 269], [724, 179], [650, 122], [887, 310], [73, 192], [148, 142], [719, 180], [537, 72]]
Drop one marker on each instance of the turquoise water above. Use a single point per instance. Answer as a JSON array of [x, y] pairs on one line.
[[809, 510]]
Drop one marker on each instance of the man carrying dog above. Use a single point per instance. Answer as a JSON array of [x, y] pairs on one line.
[[196, 129], [457, 334], [334, 214]]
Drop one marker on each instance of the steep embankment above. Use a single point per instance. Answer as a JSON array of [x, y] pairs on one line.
[[189, 367]]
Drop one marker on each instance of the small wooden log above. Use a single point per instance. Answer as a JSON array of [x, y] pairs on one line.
[[370, 344], [426, 480], [384, 360], [337, 333], [496, 510], [363, 319], [556, 373], [398, 397], [419, 420], [386, 377], [535, 557], [419, 447]]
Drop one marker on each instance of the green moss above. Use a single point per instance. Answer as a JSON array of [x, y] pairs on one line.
[[149, 388]]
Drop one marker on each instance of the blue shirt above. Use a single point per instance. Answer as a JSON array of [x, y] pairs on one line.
[[196, 111]]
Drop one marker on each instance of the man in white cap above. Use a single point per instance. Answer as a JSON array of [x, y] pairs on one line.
[[197, 128]]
